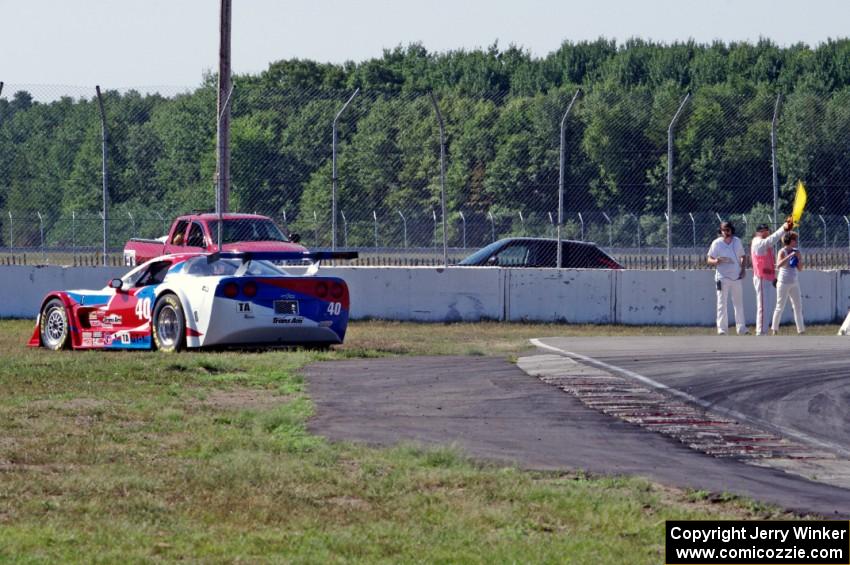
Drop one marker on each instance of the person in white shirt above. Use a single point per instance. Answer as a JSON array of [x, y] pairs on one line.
[[727, 256], [764, 265], [789, 261]]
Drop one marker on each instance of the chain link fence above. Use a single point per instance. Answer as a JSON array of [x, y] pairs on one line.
[[502, 168]]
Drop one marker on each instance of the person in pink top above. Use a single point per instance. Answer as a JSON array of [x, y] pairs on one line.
[[764, 265]]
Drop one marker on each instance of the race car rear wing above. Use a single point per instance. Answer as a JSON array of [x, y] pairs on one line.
[[312, 256]]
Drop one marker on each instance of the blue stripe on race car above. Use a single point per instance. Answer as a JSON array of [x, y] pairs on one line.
[[147, 292], [89, 299]]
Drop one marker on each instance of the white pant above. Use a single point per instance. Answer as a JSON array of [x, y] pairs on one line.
[[760, 284], [845, 327], [784, 291], [734, 287]]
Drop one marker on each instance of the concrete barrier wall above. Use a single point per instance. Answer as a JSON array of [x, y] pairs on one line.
[[22, 288], [471, 294], [423, 293], [549, 295]]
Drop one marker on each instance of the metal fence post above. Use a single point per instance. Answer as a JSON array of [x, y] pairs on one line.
[[11, 232], [132, 224], [463, 219], [823, 222], [773, 164], [561, 175], [404, 224], [670, 181], [610, 234], [333, 171], [581, 221], [41, 232], [344, 227], [375, 217], [746, 223], [74, 233], [847, 221], [442, 180], [637, 221], [434, 215], [693, 228], [492, 226], [522, 223], [105, 141]]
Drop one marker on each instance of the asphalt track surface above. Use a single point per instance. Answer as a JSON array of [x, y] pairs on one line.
[[798, 387], [492, 410]]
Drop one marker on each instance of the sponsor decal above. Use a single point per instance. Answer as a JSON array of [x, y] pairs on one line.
[[87, 335], [97, 335], [287, 320], [93, 320], [325, 324], [107, 339], [112, 319], [243, 306]]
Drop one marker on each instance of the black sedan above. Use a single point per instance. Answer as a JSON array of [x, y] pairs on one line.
[[540, 252]]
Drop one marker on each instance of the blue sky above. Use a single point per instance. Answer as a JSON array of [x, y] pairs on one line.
[[119, 43]]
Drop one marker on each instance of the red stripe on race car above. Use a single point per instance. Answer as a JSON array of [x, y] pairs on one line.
[[191, 332], [308, 287]]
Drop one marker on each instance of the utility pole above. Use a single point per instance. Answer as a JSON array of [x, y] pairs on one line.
[[223, 111], [104, 143]]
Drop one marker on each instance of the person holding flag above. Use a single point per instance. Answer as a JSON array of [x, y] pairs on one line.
[[764, 271]]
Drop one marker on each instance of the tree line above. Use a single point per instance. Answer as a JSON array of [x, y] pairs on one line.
[[502, 110]]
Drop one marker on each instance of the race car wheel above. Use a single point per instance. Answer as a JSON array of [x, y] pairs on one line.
[[169, 324], [54, 327]]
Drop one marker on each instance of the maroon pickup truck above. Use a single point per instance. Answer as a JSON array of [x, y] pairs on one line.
[[199, 232]]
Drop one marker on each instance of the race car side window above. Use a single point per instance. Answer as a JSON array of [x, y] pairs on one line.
[[154, 274]]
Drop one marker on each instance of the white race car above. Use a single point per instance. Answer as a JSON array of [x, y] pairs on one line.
[[201, 300]]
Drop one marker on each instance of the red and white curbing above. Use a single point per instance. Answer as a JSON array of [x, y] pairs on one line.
[[666, 411]]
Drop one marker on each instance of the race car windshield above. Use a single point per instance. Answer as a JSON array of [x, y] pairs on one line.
[[247, 229]]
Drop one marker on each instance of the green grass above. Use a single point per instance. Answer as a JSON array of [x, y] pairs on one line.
[[132, 457]]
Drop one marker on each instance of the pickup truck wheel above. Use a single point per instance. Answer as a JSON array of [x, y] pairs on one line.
[[169, 324], [53, 325]]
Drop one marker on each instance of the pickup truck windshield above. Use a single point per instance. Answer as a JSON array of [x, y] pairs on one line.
[[246, 230]]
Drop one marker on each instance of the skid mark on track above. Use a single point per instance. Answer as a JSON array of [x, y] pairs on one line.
[[662, 410]]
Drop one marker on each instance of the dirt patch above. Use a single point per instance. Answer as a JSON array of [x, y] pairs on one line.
[[71, 404]]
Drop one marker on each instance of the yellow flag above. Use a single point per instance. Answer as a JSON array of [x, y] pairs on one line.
[[799, 202]]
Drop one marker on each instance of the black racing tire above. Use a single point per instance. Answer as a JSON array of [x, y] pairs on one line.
[[54, 330], [168, 324]]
